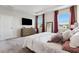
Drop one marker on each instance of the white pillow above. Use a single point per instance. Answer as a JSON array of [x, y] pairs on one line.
[[74, 40], [67, 34]]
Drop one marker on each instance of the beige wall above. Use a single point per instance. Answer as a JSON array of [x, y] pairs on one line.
[[49, 17], [78, 14]]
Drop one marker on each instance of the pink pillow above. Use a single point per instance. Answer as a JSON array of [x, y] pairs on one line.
[[70, 49]]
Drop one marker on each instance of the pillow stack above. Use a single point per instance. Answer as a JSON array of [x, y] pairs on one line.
[[67, 34], [73, 44], [74, 40]]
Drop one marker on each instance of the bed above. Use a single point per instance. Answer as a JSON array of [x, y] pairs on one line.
[[38, 43]]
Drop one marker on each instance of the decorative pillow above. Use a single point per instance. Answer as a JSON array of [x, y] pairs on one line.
[[66, 35], [56, 38], [70, 49], [75, 30], [74, 40]]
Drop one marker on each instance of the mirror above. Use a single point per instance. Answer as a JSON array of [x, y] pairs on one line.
[[49, 27]]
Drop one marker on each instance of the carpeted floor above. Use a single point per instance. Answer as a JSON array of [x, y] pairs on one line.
[[13, 46]]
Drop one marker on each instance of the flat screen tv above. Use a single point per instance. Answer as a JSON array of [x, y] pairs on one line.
[[26, 21]]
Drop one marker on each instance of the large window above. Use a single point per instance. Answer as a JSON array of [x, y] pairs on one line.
[[63, 21], [40, 23]]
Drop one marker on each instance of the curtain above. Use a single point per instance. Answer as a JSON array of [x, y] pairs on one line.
[[43, 22], [36, 24], [72, 10], [55, 22]]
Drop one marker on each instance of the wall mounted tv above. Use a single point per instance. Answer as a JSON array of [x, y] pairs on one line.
[[26, 21]]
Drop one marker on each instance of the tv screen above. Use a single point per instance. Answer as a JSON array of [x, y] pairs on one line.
[[26, 21]]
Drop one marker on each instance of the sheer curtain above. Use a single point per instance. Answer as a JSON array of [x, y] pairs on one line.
[[40, 23]]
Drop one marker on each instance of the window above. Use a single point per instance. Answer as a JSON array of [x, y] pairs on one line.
[[40, 23], [63, 21]]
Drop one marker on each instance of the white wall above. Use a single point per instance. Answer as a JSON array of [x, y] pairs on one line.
[[10, 22]]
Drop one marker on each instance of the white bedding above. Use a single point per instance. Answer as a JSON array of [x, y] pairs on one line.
[[38, 43]]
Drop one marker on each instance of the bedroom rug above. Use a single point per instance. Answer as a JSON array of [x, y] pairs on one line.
[[13, 46]]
